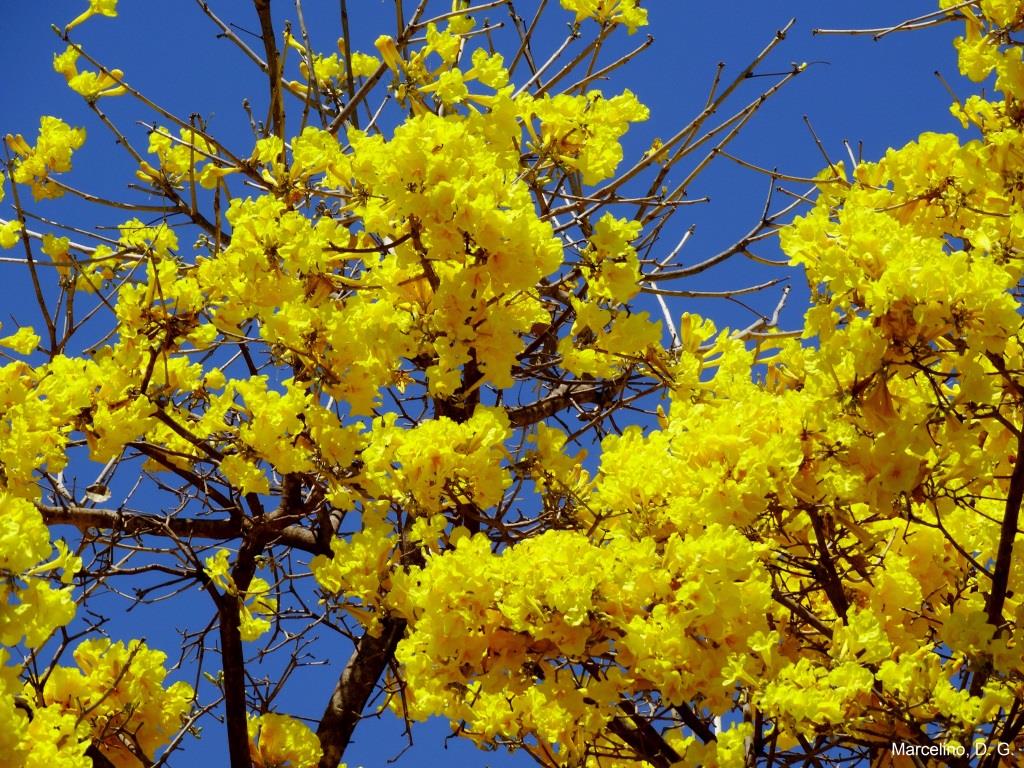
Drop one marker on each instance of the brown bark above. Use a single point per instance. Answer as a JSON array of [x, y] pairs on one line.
[[354, 687], [139, 524], [273, 66]]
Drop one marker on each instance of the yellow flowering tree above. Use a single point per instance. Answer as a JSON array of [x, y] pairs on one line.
[[401, 368]]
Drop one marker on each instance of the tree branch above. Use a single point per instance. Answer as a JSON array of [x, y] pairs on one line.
[[561, 397], [643, 738], [235, 714], [356, 683], [273, 66], [139, 524], [1007, 533]]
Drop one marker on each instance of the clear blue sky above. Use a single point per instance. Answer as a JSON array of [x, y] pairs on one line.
[[881, 93]]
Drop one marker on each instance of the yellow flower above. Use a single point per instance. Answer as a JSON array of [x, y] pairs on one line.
[[56, 143], [101, 7], [118, 690], [363, 64], [389, 52], [280, 741], [626, 12], [10, 233], [90, 85], [23, 342]]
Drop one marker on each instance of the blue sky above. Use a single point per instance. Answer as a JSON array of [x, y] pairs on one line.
[[880, 93]]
